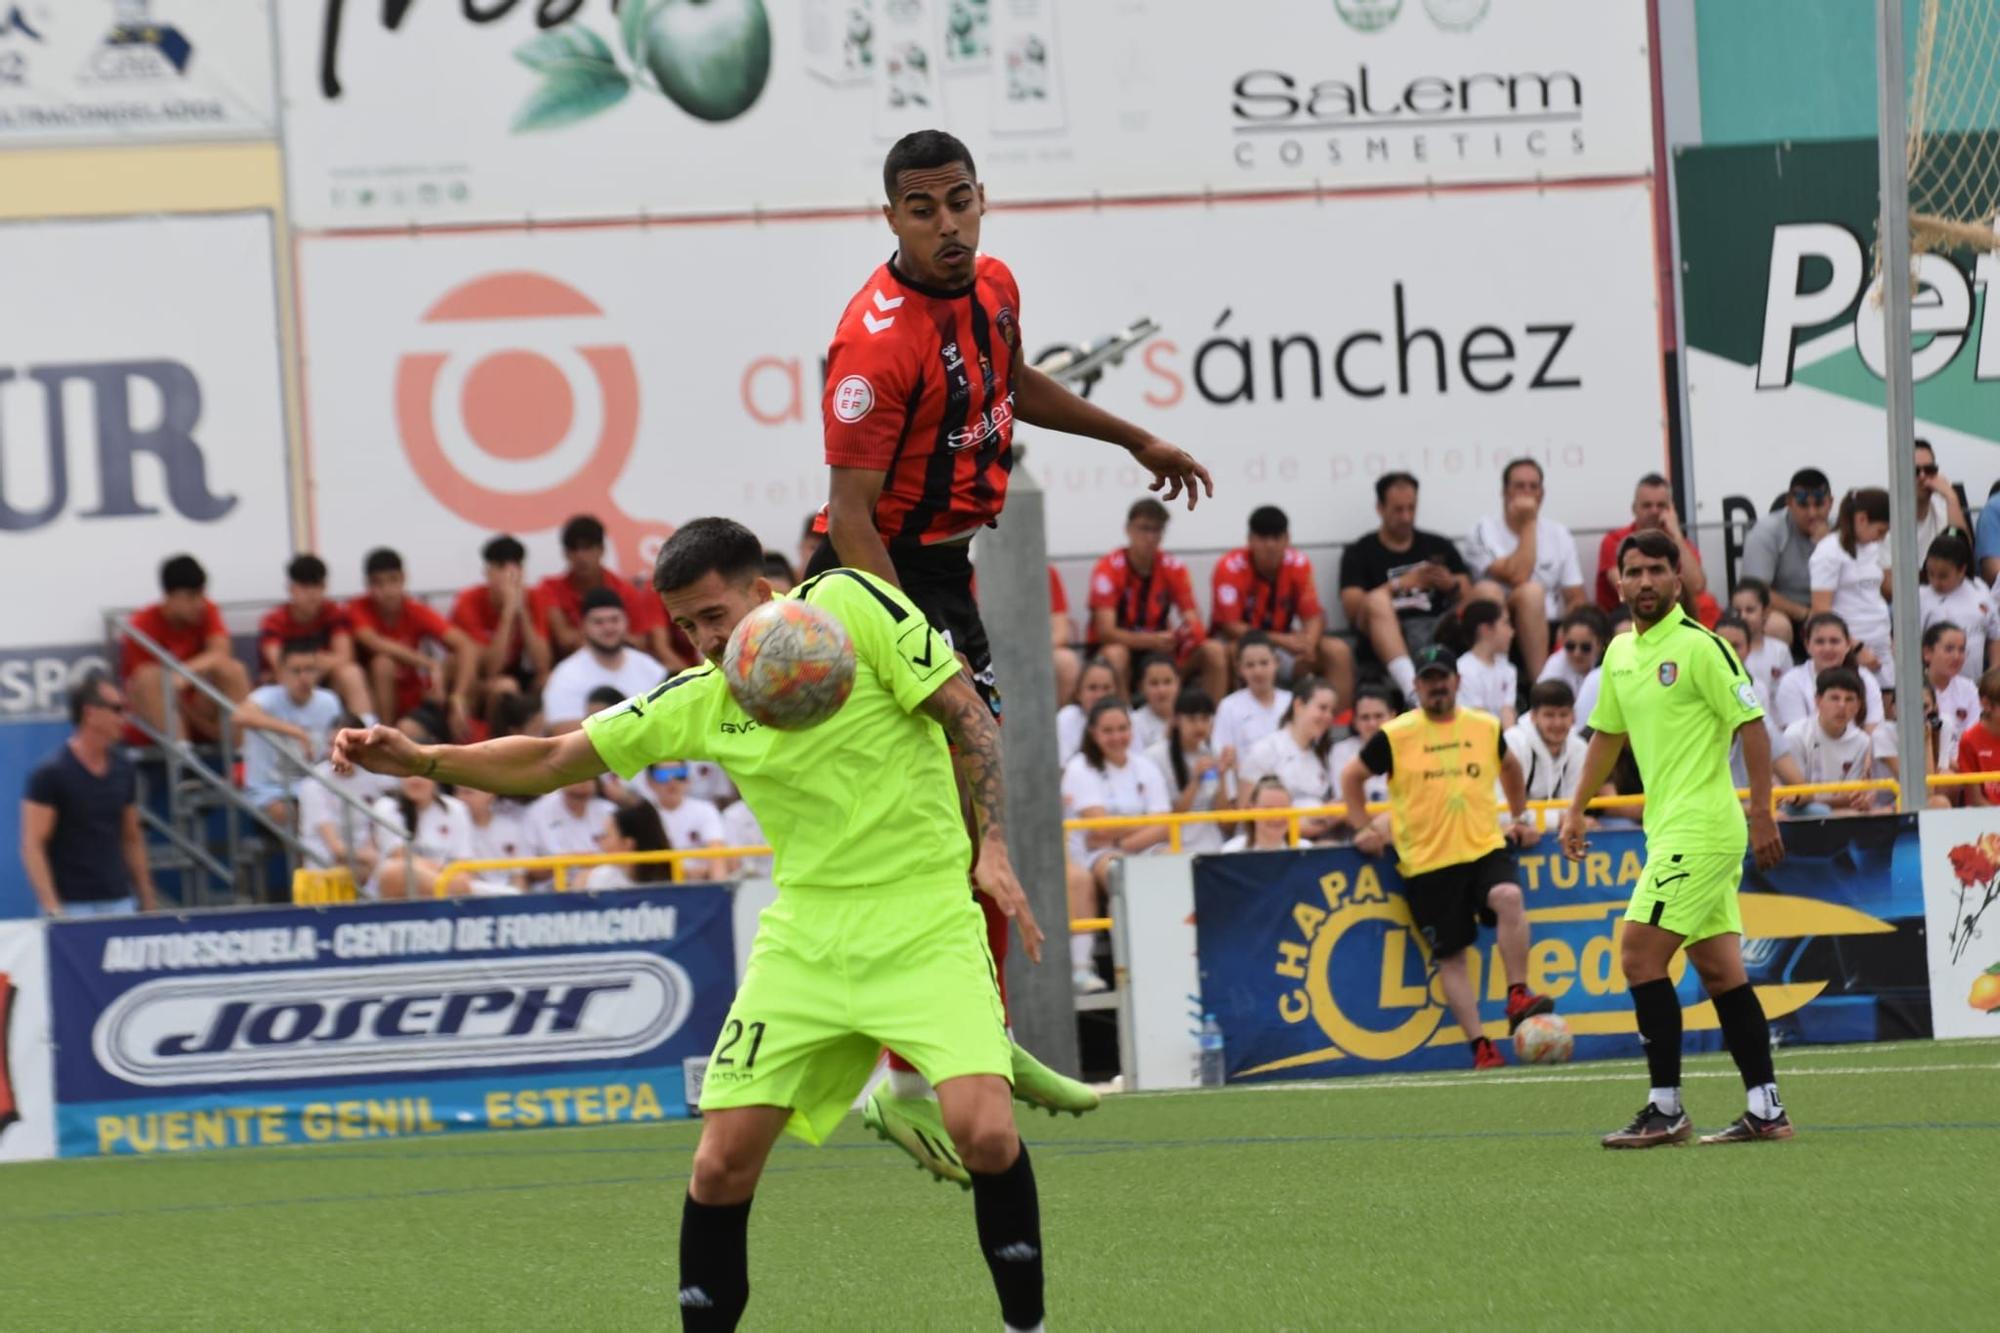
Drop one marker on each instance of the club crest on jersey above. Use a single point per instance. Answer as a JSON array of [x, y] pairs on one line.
[[853, 398], [1010, 328], [1669, 672]]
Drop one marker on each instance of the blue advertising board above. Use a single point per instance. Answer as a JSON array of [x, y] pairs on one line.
[[1311, 967], [230, 1029]]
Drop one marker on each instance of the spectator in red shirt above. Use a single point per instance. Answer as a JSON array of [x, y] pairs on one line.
[[1267, 585], [1653, 507], [1062, 640], [510, 625], [1979, 746], [1136, 593], [189, 627], [307, 616], [392, 630], [562, 600]]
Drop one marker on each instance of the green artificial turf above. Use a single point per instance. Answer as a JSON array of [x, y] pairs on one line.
[[1440, 1200]]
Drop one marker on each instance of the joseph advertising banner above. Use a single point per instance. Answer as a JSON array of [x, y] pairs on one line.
[[436, 112], [1311, 966]]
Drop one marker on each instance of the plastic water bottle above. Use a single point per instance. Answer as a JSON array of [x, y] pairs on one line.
[[1211, 1052], [1205, 790]]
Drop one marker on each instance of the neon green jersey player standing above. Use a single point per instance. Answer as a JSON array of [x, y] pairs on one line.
[[873, 939], [1677, 694]]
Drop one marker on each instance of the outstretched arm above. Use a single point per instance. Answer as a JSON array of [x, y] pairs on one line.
[[509, 766], [957, 707], [1042, 402]]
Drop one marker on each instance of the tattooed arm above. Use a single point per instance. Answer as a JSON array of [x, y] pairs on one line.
[[957, 707]]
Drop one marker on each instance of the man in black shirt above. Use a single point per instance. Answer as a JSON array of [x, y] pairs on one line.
[[80, 839], [1398, 581]]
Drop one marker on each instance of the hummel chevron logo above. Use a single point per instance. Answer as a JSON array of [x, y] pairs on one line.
[[884, 304]]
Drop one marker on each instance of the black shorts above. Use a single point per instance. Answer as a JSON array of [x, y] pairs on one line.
[[1449, 905], [939, 580]]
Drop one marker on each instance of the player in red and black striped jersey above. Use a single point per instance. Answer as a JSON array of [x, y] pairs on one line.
[[924, 382], [1135, 595]]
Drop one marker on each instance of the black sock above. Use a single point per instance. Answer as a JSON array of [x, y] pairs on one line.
[[1747, 1034], [1659, 1011], [1010, 1235], [715, 1264]]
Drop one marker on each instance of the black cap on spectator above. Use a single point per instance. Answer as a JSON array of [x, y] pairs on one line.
[[1434, 657], [182, 573], [581, 533], [1269, 521], [602, 598]]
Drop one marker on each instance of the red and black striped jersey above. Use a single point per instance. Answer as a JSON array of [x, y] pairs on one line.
[[920, 385]]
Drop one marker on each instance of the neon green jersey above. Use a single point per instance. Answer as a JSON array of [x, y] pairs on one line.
[[1678, 694], [866, 798]]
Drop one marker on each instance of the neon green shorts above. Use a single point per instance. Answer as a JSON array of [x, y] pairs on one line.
[[835, 975], [1692, 894]]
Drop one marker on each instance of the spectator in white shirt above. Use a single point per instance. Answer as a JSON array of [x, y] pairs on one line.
[[437, 829], [740, 826], [1766, 659], [1828, 645], [1546, 745], [603, 660], [1938, 507], [1373, 706], [632, 828], [1264, 835], [1486, 679], [1296, 753], [1956, 697], [1526, 562], [1098, 681], [289, 724], [499, 833], [1830, 748], [1733, 630], [1106, 778], [1248, 715], [333, 831], [1951, 593], [566, 821], [1159, 686], [1848, 580], [690, 821], [1203, 777]]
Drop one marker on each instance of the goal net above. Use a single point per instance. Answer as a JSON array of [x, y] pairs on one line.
[[1954, 144]]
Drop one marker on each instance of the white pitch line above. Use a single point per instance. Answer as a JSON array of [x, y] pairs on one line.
[[1468, 1080]]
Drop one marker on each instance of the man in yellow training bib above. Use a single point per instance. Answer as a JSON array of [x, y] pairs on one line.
[[1677, 694], [1458, 873]]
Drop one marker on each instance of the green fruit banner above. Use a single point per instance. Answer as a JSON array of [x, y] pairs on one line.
[[1784, 329], [435, 112]]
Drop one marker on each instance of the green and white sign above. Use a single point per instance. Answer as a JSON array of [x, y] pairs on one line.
[[1784, 328]]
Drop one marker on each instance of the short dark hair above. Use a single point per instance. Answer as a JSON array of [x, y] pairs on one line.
[[1389, 481], [1839, 678], [1921, 443], [1989, 685], [1269, 521], [1551, 694], [1652, 479], [1810, 479], [1148, 662], [705, 546], [510, 714], [1507, 473], [306, 646], [381, 560], [1255, 638], [581, 533], [922, 150], [182, 573], [87, 691], [1148, 508], [779, 570], [604, 696], [602, 598], [308, 571], [503, 550], [1653, 544], [1756, 586]]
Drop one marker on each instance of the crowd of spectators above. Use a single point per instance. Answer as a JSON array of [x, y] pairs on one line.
[[1166, 706]]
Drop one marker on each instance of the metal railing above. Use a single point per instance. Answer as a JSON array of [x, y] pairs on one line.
[[182, 757]]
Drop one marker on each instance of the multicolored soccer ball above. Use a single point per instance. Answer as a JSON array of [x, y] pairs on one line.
[[1543, 1040], [790, 665]]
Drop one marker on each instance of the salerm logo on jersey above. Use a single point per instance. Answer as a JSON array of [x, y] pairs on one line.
[[384, 1020]]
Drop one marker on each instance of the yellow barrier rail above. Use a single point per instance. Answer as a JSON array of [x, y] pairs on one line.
[[560, 866]]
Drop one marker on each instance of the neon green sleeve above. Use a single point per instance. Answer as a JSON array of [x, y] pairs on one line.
[[669, 721], [890, 635], [1725, 685]]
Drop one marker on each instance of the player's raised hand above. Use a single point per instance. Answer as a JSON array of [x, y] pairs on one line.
[[1174, 470], [379, 749], [994, 876]]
